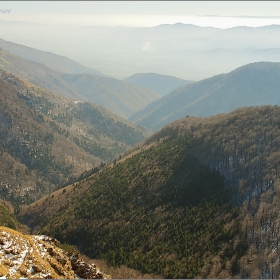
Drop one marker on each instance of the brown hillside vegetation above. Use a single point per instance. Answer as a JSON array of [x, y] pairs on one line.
[[46, 139], [200, 198]]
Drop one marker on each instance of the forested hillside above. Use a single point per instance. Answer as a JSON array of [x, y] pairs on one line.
[[146, 213], [119, 97], [45, 139], [249, 85], [8, 217], [200, 198], [244, 147]]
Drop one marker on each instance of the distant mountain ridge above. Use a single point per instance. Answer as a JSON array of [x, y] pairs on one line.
[[249, 85], [51, 60], [162, 84], [182, 50], [119, 97]]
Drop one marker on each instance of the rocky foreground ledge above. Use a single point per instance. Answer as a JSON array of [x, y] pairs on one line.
[[39, 256]]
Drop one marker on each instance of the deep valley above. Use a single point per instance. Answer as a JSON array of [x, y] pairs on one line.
[[149, 176]]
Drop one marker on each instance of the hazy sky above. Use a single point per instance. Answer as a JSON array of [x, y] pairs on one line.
[[221, 14]]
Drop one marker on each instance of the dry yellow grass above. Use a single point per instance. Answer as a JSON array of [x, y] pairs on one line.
[[3, 269], [37, 258]]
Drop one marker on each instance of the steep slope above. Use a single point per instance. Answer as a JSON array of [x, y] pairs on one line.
[[41, 131], [8, 218], [162, 84], [37, 257], [18, 183], [244, 147], [250, 85], [171, 200], [51, 60], [119, 97], [150, 208]]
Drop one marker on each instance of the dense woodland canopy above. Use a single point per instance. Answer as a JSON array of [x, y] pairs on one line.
[[146, 212], [244, 147], [197, 199], [204, 179]]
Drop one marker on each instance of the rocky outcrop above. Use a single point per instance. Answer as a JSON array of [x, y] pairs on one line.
[[34, 256], [83, 269]]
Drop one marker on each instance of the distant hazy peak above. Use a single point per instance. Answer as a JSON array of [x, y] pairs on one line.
[[54, 61], [162, 84]]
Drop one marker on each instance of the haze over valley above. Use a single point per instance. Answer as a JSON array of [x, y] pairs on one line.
[[185, 51], [139, 141]]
